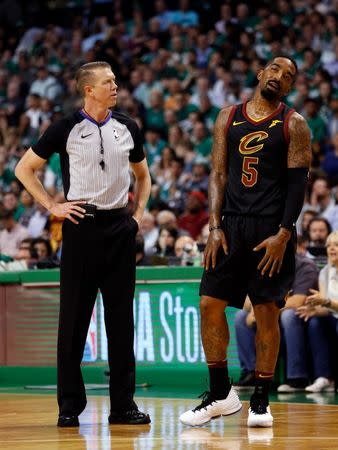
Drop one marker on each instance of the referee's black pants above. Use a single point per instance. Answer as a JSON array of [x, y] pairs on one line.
[[98, 253]]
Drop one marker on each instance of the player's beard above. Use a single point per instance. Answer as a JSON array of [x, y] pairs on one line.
[[269, 94]]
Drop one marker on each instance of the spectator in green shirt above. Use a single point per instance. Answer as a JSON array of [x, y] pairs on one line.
[[155, 113], [11, 203], [316, 125], [153, 145], [201, 140]]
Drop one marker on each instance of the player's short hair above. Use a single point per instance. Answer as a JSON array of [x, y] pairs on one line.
[[286, 57], [85, 74]]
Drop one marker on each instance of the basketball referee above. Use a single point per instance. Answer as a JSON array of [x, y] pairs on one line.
[[97, 147]]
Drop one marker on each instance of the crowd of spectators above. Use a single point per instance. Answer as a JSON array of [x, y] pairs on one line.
[[177, 63]]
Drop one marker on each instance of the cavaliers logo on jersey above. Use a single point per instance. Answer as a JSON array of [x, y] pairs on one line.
[[250, 142]]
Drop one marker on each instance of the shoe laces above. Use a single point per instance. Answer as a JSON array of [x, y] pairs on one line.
[[258, 405], [207, 399], [133, 412]]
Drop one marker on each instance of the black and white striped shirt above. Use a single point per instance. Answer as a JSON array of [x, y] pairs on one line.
[[77, 139]]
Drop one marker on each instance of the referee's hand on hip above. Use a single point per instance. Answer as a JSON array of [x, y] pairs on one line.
[[68, 210]]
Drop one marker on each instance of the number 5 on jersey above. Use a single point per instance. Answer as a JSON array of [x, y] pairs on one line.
[[249, 172]]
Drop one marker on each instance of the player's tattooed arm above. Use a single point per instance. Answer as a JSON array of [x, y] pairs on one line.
[[299, 153], [217, 181], [299, 161], [218, 175]]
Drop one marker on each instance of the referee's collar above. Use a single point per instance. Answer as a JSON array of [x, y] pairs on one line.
[[99, 124]]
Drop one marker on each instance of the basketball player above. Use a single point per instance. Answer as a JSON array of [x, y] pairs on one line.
[[260, 161]]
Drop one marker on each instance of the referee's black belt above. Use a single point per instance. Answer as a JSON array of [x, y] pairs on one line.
[[92, 211]]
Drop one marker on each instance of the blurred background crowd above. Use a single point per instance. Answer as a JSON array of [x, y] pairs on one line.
[[177, 63]]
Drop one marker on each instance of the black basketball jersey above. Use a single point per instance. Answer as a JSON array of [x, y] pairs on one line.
[[257, 162]]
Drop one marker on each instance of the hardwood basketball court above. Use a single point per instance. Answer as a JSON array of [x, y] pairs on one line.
[[27, 422]]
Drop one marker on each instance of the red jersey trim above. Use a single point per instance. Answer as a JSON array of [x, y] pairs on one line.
[[264, 119], [286, 125]]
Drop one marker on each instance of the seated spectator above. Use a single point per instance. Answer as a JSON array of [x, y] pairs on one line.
[[321, 313], [330, 161], [184, 16], [316, 125], [294, 332], [332, 215], [320, 197], [318, 231], [156, 204], [161, 168], [25, 251], [186, 252], [201, 140], [38, 221], [27, 201], [149, 232], [26, 244], [165, 243], [6, 175], [45, 85], [305, 219], [172, 188], [42, 248], [167, 218], [141, 258], [11, 203], [195, 216], [154, 116], [34, 112], [199, 178], [153, 145], [42, 251], [12, 234]]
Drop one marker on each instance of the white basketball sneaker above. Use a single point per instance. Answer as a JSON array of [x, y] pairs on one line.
[[321, 384], [210, 408], [259, 413]]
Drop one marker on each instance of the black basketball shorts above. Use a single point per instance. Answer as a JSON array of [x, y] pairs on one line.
[[236, 274]]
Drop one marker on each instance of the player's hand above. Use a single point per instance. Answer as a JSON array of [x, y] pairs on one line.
[[275, 247], [68, 209], [216, 240]]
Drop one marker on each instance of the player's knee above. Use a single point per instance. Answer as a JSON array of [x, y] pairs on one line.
[[267, 316], [209, 306], [267, 309]]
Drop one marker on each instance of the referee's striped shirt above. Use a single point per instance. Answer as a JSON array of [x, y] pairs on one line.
[[85, 146]]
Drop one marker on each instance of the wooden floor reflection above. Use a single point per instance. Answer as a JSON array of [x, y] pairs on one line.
[[27, 422]]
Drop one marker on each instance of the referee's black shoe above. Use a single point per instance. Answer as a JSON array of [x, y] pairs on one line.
[[129, 417], [68, 421]]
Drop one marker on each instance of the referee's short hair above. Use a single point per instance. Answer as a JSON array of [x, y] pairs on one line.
[[85, 74]]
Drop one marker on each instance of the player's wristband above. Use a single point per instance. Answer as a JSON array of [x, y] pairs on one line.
[[216, 227]]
